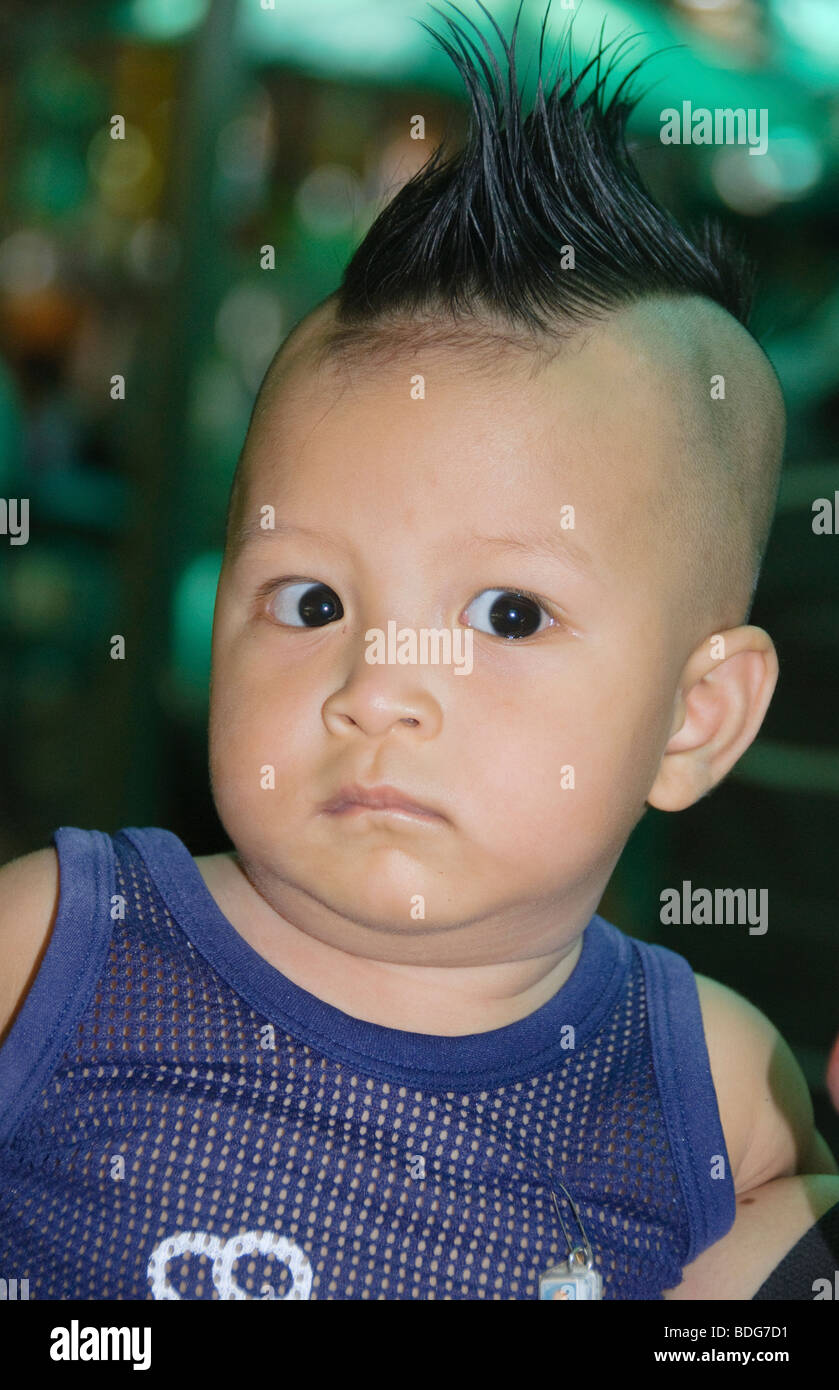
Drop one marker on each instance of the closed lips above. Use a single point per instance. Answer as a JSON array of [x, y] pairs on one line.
[[377, 799]]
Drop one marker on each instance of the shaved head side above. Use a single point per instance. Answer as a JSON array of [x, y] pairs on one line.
[[717, 509]]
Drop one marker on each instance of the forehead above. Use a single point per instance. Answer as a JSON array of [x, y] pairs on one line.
[[490, 449], [599, 413]]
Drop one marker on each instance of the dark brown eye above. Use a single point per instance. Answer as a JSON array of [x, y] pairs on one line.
[[307, 603], [509, 613]]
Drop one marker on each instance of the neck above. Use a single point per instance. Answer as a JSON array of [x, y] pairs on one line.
[[449, 1001]]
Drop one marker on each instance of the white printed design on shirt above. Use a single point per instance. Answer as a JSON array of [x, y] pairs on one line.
[[224, 1254]]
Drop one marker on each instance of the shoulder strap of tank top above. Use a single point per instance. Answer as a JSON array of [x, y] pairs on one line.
[[688, 1097], [72, 963]]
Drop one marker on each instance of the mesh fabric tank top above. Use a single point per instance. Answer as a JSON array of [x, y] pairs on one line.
[[178, 1120]]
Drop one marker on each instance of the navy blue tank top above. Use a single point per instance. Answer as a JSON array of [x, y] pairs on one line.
[[178, 1120]]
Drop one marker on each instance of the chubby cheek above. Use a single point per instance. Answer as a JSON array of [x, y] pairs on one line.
[[231, 760], [559, 772], [516, 768], [616, 757], [255, 736]]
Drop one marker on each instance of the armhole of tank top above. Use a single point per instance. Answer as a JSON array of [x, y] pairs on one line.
[[66, 978], [688, 1096]]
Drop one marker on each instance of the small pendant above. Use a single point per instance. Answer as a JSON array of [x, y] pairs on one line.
[[569, 1280]]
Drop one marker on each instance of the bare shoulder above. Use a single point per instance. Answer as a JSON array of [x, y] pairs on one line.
[[785, 1177], [764, 1101], [734, 1034], [29, 897], [769, 1221]]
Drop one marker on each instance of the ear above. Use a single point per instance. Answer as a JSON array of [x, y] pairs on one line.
[[724, 693]]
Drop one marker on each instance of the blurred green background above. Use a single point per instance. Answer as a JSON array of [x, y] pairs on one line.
[[250, 125]]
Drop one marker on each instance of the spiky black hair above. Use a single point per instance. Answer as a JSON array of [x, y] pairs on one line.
[[471, 256], [483, 233]]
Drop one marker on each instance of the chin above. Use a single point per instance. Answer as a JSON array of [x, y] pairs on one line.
[[386, 885]]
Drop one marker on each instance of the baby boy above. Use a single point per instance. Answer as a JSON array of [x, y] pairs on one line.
[[385, 1047]]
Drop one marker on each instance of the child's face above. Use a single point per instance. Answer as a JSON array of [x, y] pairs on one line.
[[401, 491]]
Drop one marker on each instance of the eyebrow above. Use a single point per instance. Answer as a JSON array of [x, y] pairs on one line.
[[554, 546], [251, 530]]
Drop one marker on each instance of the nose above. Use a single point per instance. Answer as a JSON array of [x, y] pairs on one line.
[[377, 699]]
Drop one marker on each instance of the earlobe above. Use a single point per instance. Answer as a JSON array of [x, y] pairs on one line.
[[683, 778], [724, 693]]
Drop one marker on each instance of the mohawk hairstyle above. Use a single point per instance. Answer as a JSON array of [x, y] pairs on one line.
[[480, 235], [471, 256]]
